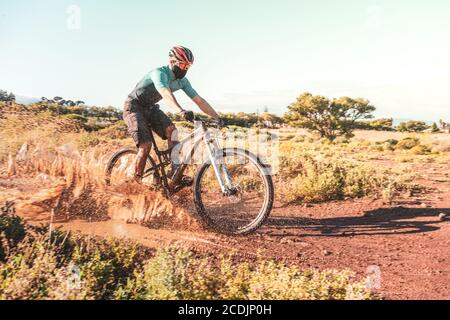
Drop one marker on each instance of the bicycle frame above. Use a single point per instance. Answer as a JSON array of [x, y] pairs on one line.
[[196, 138]]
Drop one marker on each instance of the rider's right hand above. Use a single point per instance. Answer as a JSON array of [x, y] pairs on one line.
[[188, 115]]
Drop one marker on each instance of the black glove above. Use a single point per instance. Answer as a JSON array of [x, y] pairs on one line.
[[188, 115]]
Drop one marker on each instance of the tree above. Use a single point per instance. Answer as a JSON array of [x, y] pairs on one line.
[[7, 97], [328, 118], [412, 126]]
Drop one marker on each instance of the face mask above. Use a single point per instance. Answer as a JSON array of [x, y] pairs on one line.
[[179, 74]]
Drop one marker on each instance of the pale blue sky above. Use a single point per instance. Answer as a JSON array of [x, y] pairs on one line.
[[249, 53]]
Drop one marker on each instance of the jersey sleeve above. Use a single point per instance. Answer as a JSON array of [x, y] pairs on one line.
[[160, 79], [187, 88]]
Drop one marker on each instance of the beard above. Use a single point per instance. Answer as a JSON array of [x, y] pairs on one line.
[[179, 74]]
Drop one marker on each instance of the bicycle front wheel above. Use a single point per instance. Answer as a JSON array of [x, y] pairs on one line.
[[249, 197]]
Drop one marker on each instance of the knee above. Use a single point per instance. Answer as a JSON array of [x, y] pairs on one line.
[[171, 129], [144, 148], [171, 133]]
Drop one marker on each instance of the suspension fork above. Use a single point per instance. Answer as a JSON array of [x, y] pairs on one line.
[[220, 170]]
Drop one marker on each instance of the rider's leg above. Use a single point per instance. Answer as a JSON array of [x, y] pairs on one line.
[[141, 159], [135, 117], [172, 136], [171, 133]]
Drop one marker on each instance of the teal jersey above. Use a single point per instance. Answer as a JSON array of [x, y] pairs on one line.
[[146, 91]]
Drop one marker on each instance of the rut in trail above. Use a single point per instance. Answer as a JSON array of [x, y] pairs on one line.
[[71, 185]]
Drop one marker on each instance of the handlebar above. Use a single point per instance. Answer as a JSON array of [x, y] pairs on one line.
[[211, 123]]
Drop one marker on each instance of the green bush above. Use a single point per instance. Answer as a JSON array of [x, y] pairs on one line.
[[12, 231], [412, 126], [105, 264], [77, 117], [118, 130], [175, 273], [318, 180], [87, 140]]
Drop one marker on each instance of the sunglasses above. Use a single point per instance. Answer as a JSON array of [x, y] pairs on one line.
[[184, 66]]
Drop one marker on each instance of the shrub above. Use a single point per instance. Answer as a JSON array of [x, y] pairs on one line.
[[435, 128], [175, 273], [118, 130], [88, 140], [77, 117], [390, 144], [323, 180], [378, 125], [408, 143], [12, 231], [421, 149], [412, 126], [311, 173], [31, 274], [105, 264]]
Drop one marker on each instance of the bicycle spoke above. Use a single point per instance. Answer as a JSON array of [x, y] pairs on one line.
[[121, 170], [247, 198]]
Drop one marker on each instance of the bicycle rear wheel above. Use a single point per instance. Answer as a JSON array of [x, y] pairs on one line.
[[248, 204], [120, 168]]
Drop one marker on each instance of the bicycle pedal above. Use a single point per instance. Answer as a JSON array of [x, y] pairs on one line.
[[187, 181], [184, 183]]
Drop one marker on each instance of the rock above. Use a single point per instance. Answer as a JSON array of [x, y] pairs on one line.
[[442, 216], [326, 253]]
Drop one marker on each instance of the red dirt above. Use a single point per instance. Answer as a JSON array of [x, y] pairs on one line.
[[406, 240]]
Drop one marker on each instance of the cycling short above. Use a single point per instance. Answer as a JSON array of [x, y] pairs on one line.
[[140, 120]]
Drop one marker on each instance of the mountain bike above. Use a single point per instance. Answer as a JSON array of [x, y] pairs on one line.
[[233, 189]]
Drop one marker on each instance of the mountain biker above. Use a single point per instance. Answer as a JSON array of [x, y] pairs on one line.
[[141, 112]]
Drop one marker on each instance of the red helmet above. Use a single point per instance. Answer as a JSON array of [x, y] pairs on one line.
[[180, 54]]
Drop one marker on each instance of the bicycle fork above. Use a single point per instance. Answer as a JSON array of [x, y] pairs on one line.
[[222, 174]]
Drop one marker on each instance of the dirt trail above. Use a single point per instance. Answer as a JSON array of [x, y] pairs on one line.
[[406, 240]]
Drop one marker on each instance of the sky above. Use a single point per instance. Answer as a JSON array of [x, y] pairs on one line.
[[249, 54]]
